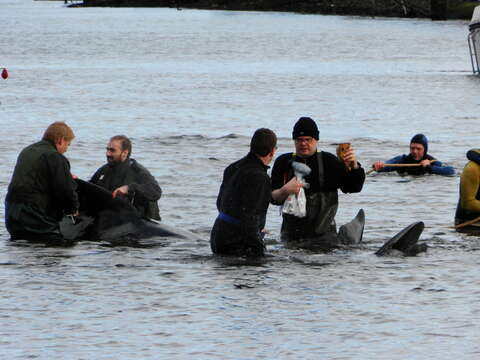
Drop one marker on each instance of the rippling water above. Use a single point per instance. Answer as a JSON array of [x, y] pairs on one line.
[[190, 87]]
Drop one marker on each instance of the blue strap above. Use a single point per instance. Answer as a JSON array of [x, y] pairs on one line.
[[229, 219]]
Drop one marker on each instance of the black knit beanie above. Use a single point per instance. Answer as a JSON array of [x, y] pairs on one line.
[[305, 126], [420, 139]]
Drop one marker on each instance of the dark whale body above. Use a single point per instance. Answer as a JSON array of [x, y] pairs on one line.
[[114, 220], [104, 218], [351, 233], [405, 242]]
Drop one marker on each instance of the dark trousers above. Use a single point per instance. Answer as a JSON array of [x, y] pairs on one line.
[[25, 222], [227, 239]]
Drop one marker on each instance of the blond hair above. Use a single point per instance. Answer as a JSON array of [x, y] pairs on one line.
[[58, 131]]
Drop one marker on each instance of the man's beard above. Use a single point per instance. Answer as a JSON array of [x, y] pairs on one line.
[[112, 162]]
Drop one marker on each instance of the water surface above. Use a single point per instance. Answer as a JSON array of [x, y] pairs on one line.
[[190, 87]]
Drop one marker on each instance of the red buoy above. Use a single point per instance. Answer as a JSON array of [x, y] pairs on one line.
[[4, 73]]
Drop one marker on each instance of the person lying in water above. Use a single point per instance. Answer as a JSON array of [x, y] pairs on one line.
[[468, 206], [427, 164]]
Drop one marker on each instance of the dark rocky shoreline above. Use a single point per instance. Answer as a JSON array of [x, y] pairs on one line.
[[435, 9]]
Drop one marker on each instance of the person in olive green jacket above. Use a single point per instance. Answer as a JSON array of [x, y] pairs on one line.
[[42, 189], [468, 206], [127, 179]]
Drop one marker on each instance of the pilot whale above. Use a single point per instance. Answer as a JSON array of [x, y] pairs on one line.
[[348, 234], [104, 218], [405, 242], [114, 220], [351, 233]]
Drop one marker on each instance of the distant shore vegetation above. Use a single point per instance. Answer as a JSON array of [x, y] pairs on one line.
[[435, 9]]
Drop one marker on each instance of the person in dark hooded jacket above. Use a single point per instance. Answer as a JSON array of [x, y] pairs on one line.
[[128, 179], [418, 155], [243, 200], [42, 189]]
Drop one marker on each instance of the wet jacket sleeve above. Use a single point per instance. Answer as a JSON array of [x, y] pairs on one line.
[[469, 185], [439, 169], [145, 187], [63, 187], [352, 181], [395, 160], [221, 192], [256, 193], [279, 173]]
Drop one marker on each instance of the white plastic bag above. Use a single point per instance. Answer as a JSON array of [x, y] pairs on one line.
[[296, 205]]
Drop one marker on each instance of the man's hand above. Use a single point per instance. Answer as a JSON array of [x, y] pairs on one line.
[[378, 165], [293, 186], [122, 191], [73, 216], [350, 159], [425, 163]]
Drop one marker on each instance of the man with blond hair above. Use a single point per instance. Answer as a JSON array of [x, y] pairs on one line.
[[42, 189]]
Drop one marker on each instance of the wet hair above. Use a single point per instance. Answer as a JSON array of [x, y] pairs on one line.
[[125, 143], [263, 142], [57, 131]]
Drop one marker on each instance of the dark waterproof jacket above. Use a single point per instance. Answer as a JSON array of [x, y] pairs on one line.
[[242, 202], [41, 186], [322, 198], [336, 175], [143, 189]]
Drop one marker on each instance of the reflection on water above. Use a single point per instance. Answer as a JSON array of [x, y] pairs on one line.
[[190, 87]]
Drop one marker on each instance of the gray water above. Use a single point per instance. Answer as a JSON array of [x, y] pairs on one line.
[[190, 87]]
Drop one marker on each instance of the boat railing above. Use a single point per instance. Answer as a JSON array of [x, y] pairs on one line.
[[474, 40]]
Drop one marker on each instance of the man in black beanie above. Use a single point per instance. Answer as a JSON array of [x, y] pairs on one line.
[[328, 174], [418, 155]]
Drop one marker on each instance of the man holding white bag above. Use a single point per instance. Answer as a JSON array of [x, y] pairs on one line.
[[328, 174]]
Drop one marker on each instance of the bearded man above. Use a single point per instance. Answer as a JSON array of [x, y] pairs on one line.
[[126, 178]]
